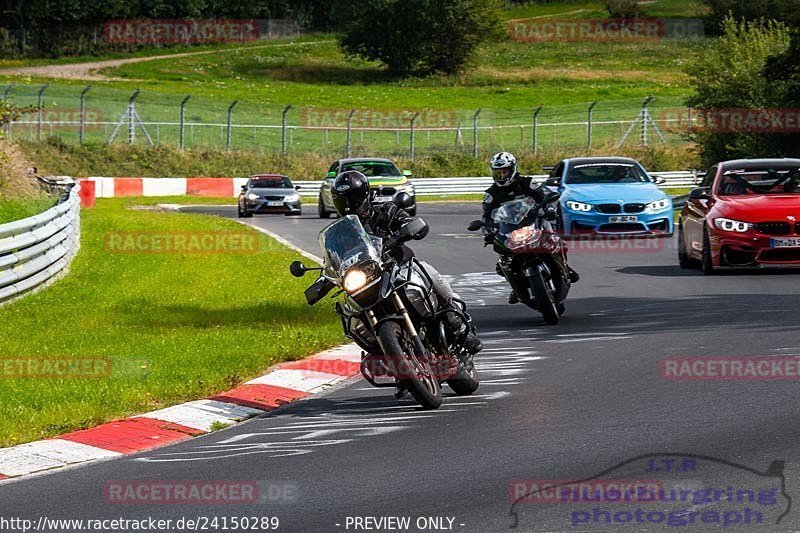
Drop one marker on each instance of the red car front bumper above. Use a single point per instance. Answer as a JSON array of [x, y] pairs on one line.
[[751, 249]]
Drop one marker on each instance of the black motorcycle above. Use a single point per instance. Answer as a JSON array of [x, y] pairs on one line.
[[533, 257], [391, 311]]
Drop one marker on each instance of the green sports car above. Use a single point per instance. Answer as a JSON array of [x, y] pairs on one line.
[[385, 179]]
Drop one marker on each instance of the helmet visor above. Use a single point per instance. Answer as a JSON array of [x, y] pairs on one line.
[[502, 175]]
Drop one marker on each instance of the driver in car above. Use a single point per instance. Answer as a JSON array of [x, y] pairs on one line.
[[510, 185], [351, 196]]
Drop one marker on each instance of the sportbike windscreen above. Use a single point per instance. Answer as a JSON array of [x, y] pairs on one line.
[[513, 212]]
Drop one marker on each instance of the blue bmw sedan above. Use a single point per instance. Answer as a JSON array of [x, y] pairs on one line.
[[610, 196]]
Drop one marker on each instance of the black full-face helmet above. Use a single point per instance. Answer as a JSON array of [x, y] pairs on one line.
[[350, 192]]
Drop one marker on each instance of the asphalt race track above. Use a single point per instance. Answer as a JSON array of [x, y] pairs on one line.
[[579, 401]]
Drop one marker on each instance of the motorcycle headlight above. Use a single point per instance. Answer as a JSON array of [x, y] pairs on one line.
[[252, 196], [579, 206], [727, 224], [659, 205], [354, 280], [291, 198]]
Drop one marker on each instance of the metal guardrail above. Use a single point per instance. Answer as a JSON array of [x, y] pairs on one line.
[[35, 249], [476, 185]]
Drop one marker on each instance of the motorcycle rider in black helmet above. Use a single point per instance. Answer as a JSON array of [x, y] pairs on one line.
[[351, 196], [509, 185]]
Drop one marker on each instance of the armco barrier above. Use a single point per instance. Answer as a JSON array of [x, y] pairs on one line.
[[35, 249], [229, 187]]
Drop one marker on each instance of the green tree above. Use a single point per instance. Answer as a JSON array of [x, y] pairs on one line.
[[730, 75], [419, 36], [787, 11]]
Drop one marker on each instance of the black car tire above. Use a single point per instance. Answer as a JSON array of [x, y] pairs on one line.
[[321, 211], [707, 263]]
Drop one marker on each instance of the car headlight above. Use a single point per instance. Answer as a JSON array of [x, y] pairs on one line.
[[291, 198], [252, 196], [408, 189], [659, 205], [727, 224], [579, 206]]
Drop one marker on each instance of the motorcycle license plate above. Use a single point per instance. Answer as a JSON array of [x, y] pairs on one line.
[[274, 204], [784, 243], [626, 218]]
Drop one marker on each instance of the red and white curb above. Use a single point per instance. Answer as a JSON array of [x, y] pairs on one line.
[[286, 383]]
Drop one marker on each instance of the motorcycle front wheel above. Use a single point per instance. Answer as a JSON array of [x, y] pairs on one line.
[[545, 299], [414, 370]]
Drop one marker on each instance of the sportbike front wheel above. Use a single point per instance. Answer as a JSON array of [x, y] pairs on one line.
[[544, 299]]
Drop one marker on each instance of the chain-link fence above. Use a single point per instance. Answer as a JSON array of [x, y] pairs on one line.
[[106, 114]]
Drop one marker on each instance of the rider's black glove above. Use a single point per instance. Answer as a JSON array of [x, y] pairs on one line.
[[488, 239]]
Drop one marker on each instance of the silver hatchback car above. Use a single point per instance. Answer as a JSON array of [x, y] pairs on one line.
[[269, 193]]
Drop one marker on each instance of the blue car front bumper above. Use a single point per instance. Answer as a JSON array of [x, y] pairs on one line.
[[643, 223]]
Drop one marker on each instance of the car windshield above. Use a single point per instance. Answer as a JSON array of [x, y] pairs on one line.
[[599, 173], [744, 181], [373, 168], [346, 243], [273, 182]]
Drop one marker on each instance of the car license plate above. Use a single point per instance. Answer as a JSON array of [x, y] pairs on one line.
[[784, 243], [274, 204], [627, 218]]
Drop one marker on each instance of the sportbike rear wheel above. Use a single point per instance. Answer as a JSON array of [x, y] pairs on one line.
[[414, 370]]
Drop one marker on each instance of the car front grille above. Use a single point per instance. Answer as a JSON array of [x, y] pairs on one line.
[[787, 255], [634, 208], [385, 191], [609, 209], [774, 228], [274, 198]]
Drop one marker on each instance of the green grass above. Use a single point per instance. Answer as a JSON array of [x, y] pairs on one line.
[[506, 80], [175, 327], [16, 209]]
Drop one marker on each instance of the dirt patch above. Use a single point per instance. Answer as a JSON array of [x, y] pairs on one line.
[[14, 180]]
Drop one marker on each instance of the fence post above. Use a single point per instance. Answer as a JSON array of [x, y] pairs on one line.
[[645, 117], [589, 125], [182, 141], [475, 133], [411, 133], [349, 123], [132, 122], [536, 130], [283, 128], [5, 98], [42, 89], [230, 124], [83, 113]]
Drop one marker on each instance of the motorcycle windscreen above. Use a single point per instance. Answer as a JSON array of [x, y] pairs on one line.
[[514, 211], [346, 243]]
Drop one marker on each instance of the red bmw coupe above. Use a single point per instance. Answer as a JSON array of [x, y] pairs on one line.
[[746, 213]]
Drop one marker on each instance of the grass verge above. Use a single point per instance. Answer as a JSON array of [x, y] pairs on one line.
[[174, 326], [17, 209]]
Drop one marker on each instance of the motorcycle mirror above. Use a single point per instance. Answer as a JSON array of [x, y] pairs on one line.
[[552, 197], [475, 225], [403, 200], [297, 269]]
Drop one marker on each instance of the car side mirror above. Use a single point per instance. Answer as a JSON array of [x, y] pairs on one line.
[[297, 187], [552, 182], [403, 200], [297, 269], [700, 193], [407, 173], [330, 175], [244, 187], [659, 180], [475, 225]]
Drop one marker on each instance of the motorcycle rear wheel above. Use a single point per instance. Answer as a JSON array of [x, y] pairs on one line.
[[418, 377]]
